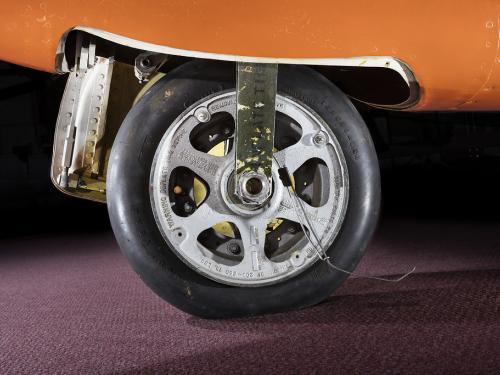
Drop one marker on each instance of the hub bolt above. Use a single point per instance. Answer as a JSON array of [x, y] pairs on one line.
[[319, 139], [202, 114], [188, 207], [234, 248]]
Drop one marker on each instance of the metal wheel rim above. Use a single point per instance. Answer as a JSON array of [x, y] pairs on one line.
[[255, 268]]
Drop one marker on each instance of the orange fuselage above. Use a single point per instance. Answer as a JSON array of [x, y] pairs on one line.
[[452, 46]]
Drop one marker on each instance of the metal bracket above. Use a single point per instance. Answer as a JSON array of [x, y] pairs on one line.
[[148, 63], [80, 126], [255, 117], [89, 117], [85, 57], [81, 117]]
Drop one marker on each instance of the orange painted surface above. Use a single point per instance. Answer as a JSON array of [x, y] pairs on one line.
[[452, 46]]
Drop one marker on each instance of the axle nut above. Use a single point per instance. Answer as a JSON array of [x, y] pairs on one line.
[[254, 188]]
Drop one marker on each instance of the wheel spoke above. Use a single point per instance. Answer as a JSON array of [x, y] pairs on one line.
[[253, 237], [204, 217], [295, 155], [206, 166], [291, 209]]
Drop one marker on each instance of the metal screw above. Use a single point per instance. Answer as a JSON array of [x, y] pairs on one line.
[[319, 139], [188, 207], [202, 114], [234, 248]]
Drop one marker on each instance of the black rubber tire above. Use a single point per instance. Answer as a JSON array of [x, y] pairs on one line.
[[137, 232]]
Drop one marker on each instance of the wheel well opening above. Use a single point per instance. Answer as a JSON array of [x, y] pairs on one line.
[[376, 86], [383, 82]]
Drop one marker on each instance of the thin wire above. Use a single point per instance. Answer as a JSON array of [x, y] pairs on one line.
[[321, 251]]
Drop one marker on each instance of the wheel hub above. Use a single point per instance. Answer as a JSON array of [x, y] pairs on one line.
[[253, 188], [233, 202]]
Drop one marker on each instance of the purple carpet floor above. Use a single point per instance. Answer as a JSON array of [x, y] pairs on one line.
[[72, 305]]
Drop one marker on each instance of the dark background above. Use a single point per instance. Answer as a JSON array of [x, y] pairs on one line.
[[29, 203], [435, 165]]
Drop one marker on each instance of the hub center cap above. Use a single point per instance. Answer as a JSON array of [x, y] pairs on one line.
[[254, 188], [267, 202]]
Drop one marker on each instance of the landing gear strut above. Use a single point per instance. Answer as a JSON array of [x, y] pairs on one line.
[[255, 119]]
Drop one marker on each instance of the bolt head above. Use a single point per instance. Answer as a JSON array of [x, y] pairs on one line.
[[202, 114], [234, 248], [319, 139], [188, 207]]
